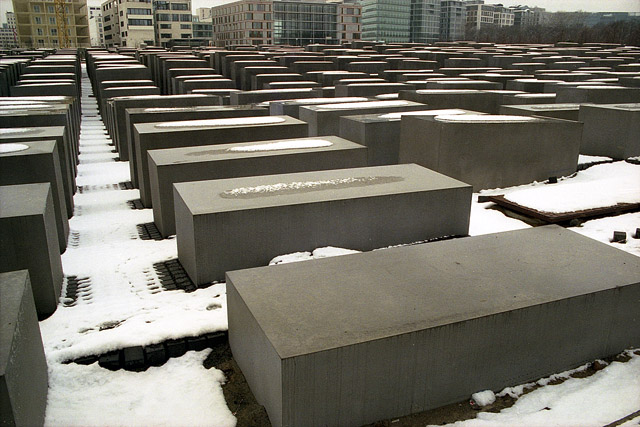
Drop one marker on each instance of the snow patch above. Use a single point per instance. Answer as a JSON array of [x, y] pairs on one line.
[[422, 113], [236, 121], [325, 252], [12, 148], [18, 131], [479, 118], [484, 398], [357, 105], [282, 145]]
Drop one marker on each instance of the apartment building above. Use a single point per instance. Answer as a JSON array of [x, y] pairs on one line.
[[453, 19], [8, 34], [173, 20], [525, 15], [296, 23], [96, 30], [127, 23], [202, 29], [38, 24]]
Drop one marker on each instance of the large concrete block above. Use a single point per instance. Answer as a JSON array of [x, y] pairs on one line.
[[611, 130], [598, 94], [28, 240], [229, 224], [371, 89], [134, 116], [65, 152], [492, 151], [167, 167], [359, 338], [556, 111], [23, 367], [262, 95], [380, 133], [325, 119], [467, 99], [153, 136], [292, 107], [32, 162]]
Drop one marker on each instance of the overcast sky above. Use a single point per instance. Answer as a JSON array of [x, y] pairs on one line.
[[550, 5]]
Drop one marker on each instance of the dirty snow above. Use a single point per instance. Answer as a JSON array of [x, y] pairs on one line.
[[484, 398], [282, 145]]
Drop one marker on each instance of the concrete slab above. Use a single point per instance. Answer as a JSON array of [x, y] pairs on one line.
[[598, 94], [167, 167], [355, 339], [467, 99], [380, 133], [229, 224], [292, 107], [489, 151], [32, 162], [153, 136], [28, 240], [23, 367], [324, 119], [611, 130], [557, 111], [134, 116], [262, 95]]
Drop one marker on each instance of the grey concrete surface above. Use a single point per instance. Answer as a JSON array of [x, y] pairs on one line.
[[355, 339], [556, 111], [611, 130], [598, 94], [380, 133], [167, 167], [262, 95], [492, 151], [153, 136], [292, 107], [23, 367], [229, 224], [29, 240], [134, 116], [38, 162], [325, 119], [467, 99]]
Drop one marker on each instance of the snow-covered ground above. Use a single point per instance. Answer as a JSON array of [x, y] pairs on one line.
[[121, 304]]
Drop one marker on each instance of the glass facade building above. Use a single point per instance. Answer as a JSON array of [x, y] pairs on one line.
[[300, 24], [453, 19], [425, 21], [386, 20]]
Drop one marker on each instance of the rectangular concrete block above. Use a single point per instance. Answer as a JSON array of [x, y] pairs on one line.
[[153, 136], [167, 167], [598, 94], [65, 152], [556, 111], [291, 107], [28, 240], [611, 130], [134, 116], [32, 162], [489, 151], [380, 133], [325, 119], [229, 224], [466, 99], [262, 95], [23, 367], [355, 339]]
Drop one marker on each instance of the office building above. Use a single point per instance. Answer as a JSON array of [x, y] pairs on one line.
[[425, 21], [173, 20], [386, 20], [453, 20], [127, 23]]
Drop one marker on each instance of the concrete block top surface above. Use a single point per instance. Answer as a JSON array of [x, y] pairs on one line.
[[546, 107], [40, 132], [375, 295], [151, 110], [27, 148], [361, 105], [204, 153], [23, 199], [620, 107], [395, 116], [12, 287], [194, 125], [267, 191]]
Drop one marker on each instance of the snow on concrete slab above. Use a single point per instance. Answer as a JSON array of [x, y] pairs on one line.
[[293, 144], [181, 392], [485, 118], [599, 186], [398, 115], [358, 105], [12, 148], [236, 121]]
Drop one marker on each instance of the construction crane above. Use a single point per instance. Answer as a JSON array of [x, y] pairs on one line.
[[61, 22]]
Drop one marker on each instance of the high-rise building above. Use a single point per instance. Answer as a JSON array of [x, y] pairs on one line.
[[96, 30], [386, 20], [288, 22], [425, 21], [8, 34], [127, 23], [37, 23], [453, 20], [173, 20]]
